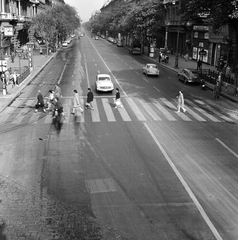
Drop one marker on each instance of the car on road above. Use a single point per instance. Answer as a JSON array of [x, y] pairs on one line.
[[150, 69], [103, 83], [189, 76], [64, 44], [96, 37]]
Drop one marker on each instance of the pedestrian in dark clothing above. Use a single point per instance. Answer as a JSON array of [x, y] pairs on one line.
[[217, 91], [199, 64], [88, 103], [118, 99], [40, 102]]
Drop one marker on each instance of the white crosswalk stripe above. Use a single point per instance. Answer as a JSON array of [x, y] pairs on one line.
[[227, 119], [134, 109], [108, 110], [166, 113], [150, 111], [206, 114], [95, 112], [125, 116]]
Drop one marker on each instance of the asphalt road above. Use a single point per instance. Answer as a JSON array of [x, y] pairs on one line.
[[140, 172]]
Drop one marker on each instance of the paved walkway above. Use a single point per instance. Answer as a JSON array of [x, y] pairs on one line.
[[40, 61]]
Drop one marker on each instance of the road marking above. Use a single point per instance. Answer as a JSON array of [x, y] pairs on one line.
[[95, 113], [209, 116], [136, 110], [156, 88], [61, 75], [149, 109], [164, 111], [225, 146], [124, 114], [108, 110], [185, 185], [145, 79], [131, 68], [137, 73], [86, 68]]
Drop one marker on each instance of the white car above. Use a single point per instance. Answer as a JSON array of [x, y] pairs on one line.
[[64, 44], [150, 69], [103, 83]]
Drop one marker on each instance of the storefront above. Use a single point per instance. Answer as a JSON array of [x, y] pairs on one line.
[[200, 42]]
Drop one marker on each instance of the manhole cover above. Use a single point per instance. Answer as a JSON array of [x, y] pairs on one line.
[[100, 185]]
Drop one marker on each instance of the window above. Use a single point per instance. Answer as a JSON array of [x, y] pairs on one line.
[[206, 35]]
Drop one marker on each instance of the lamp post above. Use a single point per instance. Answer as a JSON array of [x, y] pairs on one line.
[[177, 45]]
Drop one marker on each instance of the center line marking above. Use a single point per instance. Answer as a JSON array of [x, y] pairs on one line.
[[145, 79], [156, 88]]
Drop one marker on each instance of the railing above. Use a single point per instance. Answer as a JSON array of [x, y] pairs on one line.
[[211, 76], [22, 73]]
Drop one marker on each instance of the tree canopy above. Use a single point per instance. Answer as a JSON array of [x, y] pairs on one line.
[[60, 20]]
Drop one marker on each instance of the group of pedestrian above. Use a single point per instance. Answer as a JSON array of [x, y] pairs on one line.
[[53, 101]]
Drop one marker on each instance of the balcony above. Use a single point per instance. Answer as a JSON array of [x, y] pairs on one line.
[[12, 16], [7, 16]]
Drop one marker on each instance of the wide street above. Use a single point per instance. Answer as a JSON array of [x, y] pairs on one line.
[[138, 172]]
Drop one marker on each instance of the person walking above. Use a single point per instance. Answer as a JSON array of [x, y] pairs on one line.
[[40, 102], [217, 91], [181, 102], [199, 64], [50, 101], [57, 91], [90, 96], [76, 104], [118, 99]]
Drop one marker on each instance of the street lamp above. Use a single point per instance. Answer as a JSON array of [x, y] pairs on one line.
[[177, 46]]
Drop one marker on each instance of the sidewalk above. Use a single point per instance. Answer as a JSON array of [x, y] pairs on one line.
[[39, 62], [182, 63]]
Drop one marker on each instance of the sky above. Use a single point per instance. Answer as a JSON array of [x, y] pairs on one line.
[[86, 7]]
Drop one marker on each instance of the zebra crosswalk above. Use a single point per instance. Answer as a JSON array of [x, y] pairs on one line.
[[134, 109]]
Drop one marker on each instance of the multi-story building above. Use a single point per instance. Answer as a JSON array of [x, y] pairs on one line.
[[190, 37], [13, 15]]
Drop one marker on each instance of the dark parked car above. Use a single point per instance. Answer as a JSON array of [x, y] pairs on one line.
[[189, 76]]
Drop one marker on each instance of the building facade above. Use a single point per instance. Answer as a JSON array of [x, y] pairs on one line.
[[190, 37], [13, 15]]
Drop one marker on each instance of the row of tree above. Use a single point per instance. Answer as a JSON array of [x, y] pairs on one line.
[[149, 15], [55, 24]]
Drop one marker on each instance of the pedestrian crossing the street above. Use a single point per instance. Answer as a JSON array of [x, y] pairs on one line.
[[134, 109]]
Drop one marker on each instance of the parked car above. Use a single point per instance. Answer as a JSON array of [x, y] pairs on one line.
[[189, 76], [150, 69], [96, 37], [64, 44], [103, 83]]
